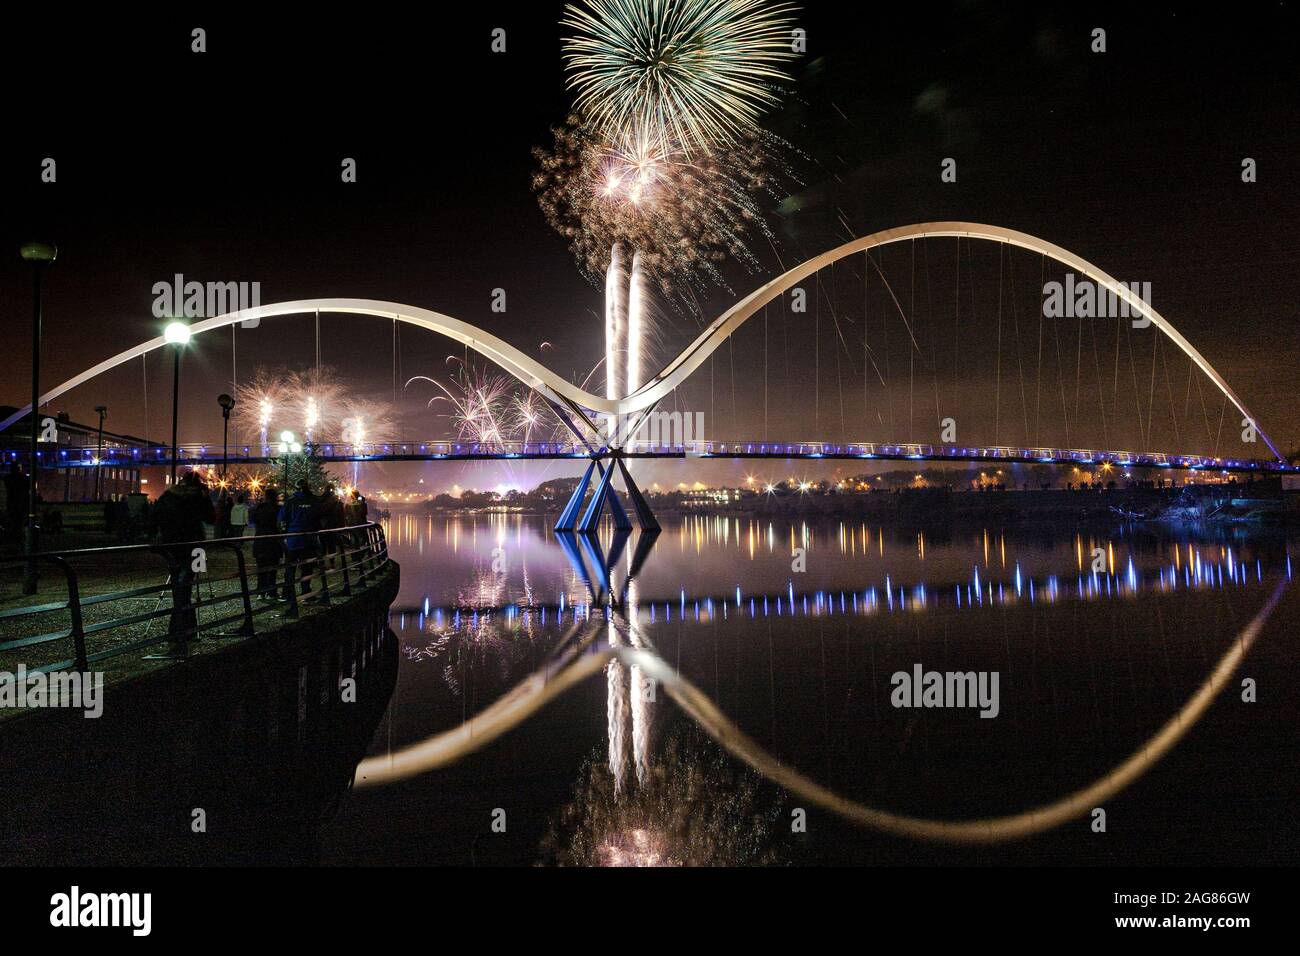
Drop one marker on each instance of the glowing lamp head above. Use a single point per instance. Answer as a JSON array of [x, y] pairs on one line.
[[287, 437], [39, 253], [176, 333]]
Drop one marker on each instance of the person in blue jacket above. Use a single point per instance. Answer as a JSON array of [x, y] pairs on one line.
[[300, 515]]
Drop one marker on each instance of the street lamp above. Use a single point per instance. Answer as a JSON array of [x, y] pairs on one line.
[[99, 448], [40, 255], [177, 334], [226, 403], [288, 443]]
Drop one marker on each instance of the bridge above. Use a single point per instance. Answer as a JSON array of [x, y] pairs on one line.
[[190, 454], [583, 413]]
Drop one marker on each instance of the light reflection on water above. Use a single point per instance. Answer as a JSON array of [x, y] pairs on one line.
[[519, 572], [1092, 662]]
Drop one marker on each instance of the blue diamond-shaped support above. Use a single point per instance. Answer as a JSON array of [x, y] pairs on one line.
[[644, 516], [569, 516], [604, 493]]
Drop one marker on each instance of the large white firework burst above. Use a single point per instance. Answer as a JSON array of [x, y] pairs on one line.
[[316, 404], [700, 70]]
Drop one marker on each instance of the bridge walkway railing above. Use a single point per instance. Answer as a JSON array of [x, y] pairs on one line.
[[210, 585]]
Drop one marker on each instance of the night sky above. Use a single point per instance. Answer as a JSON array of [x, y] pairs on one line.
[[225, 166]]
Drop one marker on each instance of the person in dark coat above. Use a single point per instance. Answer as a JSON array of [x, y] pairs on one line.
[[16, 484], [354, 515], [181, 512], [331, 516], [267, 551], [301, 517], [357, 509], [225, 505]]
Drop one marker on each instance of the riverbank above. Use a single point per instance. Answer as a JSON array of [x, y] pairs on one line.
[[114, 573], [232, 755], [931, 506]]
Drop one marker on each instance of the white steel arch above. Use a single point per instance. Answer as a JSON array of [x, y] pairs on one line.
[[676, 371], [537, 376], [527, 370]]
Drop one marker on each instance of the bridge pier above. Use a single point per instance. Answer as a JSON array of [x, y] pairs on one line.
[[605, 494]]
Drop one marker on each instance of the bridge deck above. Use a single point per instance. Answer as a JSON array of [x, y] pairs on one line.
[[211, 454]]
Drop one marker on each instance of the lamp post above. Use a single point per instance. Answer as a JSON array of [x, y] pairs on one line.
[[40, 255], [227, 403], [288, 443], [99, 448], [177, 333]]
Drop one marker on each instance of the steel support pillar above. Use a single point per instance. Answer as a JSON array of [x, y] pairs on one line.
[[644, 516], [604, 493], [569, 516]]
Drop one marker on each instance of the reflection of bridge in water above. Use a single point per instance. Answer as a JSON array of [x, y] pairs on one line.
[[633, 669]]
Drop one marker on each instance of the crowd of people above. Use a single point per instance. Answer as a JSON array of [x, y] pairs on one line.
[[283, 532]]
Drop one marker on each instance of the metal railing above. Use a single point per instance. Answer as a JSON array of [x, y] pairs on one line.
[[333, 561], [199, 454]]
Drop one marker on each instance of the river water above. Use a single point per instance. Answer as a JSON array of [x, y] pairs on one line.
[[771, 717]]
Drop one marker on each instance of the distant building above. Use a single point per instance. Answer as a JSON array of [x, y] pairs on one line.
[[710, 497], [67, 470]]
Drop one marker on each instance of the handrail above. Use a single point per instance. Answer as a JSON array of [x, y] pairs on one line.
[[91, 456], [340, 552]]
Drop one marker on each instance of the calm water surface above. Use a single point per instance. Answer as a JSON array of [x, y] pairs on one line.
[[794, 631]]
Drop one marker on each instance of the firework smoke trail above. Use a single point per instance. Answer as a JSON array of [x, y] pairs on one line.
[[641, 704], [365, 424], [311, 417], [265, 409], [700, 70], [635, 325], [317, 402], [258, 401], [616, 713], [615, 321]]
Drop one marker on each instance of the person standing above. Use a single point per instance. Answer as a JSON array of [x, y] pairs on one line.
[[181, 513], [331, 517], [239, 513], [357, 509], [16, 500], [267, 549], [301, 518], [225, 504]]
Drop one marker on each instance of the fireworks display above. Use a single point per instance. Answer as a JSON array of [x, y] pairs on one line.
[[700, 71], [656, 178], [316, 404], [685, 215], [485, 407]]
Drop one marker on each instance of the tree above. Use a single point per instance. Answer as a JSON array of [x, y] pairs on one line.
[[302, 466]]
